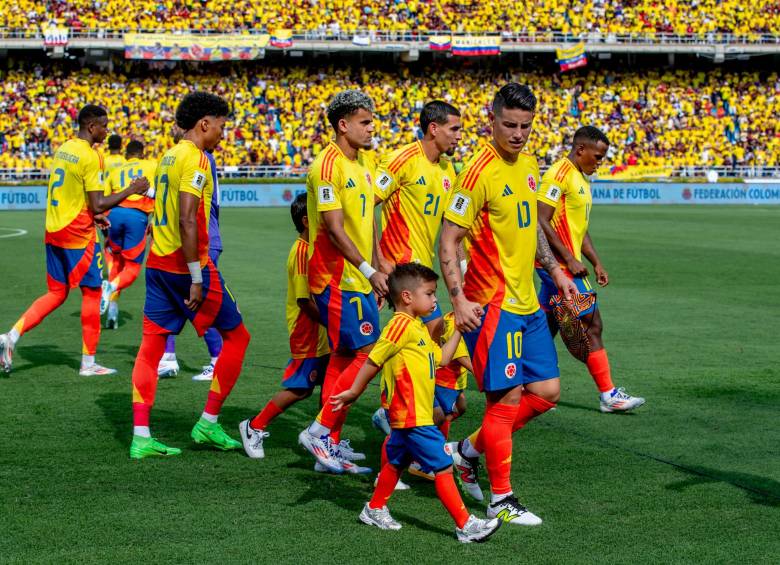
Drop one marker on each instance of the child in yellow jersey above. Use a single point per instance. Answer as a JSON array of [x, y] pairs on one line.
[[410, 358], [449, 400]]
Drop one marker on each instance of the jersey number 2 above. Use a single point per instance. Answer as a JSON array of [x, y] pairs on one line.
[[60, 174]]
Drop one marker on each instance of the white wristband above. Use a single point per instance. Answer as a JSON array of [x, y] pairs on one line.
[[367, 270], [463, 266], [195, 272]]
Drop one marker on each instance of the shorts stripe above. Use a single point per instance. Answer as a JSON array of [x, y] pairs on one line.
[[486, 335]]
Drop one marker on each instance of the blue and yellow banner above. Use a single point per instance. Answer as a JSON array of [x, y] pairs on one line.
[[170, 47], [571, 57], [282, 39], [476, 46]]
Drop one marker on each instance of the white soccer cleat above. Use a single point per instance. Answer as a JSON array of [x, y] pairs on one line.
[[477, 529], [415, 469], [346, 452], [206, 375], [379, 517], [322, 449], [511, 511], [354, 469], [379, 421], [112, 319], [400, 485], [6, 353], [466, 471], [167, 368], [96, 370], [252, 440], [620, 401], [107, 289]]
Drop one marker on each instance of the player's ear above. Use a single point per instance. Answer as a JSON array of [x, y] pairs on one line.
[[406, 297]]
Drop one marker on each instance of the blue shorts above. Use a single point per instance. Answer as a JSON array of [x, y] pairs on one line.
[[424, 444], [305, 373], [509, 350], [70, 268], [445, 398], [435, 315], [214, 256], [166, 313], [127, 233], [352, 318], [548, 290]]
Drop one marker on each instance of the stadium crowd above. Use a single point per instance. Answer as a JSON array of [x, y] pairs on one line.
[[334, 16], [680, 118]]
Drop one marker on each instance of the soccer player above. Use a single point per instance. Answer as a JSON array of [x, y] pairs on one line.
[[73, 257], [182, 282], [564, 205], [512, 351], [127, 232], [111, 161], [410, 356], [413, 183], [169, 366], [114, 159], [342, 277], [449, 400]]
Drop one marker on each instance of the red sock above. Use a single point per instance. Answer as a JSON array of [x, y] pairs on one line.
[[127, 275], [90, 319], [337, 365], [496, 437], [41, 308], [327, 417], [445, 427], [530, 407], [383, 453], [145, 376], [385, 485], [450, 498], [598, 366], [261, 421], [228, 367], [476, 441]]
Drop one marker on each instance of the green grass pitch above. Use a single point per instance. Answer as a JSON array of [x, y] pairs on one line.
[[690, 323]]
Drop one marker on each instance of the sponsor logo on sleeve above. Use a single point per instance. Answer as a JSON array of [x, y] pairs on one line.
[[460, 203], [325, 194], [554, 193], [384, 181], [198, 180]]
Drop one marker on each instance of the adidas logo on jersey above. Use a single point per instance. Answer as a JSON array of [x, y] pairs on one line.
[[351, 183], [421, 181], [507, 191], [582, 190], [421, 343]]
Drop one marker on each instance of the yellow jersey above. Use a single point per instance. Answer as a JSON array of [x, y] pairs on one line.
[[414, 193], [567, 190], [335, 182], [454, 375], [496, 201], [113, 161], [121, 177], [409, 358], [75, 170], [183, 168], [307, 338]]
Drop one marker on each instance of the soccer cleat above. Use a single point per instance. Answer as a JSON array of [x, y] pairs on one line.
[[6, 353], [95, 370], [352, 468], [400, 485], [322, 449], [167, 368], [379, 421], [467, 469], [511, 511], [620, 401], [211, 433], [346, 452], [112, 319], [477, 530], [149, 447], [206, 375], [379, 517], [105, 296], [252, 440], [416, 470]]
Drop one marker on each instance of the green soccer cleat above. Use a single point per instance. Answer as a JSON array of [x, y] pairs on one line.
[[150, 447], [204, 432]]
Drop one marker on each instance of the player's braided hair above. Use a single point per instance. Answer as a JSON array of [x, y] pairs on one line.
[[346, 103], [407, 276], [590, 134], [197, 105], [514, 96]]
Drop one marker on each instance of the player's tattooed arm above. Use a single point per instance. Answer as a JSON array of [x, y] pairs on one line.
[[467, 314], [547, 260]]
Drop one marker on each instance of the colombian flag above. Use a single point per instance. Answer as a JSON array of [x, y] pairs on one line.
[[281, 39], [572, 58], [476, 46], [440, 42]]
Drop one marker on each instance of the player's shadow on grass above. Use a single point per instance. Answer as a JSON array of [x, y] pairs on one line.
[[131, 351], [45, 356], [760, 490]]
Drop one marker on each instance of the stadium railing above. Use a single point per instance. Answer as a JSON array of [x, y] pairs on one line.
[[282, 172]]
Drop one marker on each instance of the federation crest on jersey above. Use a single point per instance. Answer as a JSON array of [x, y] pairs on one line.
[[510, 370], [368, 178], [446, 183], [366, 328], [532, 183]]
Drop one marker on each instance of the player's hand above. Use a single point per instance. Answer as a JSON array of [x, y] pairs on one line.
[[343, 399], [139, 185], [380, 301], [576, 268], [196, 296], [101, 221], [565, 285], [379, 283], [468, 315], [601, 275], [386, 266]]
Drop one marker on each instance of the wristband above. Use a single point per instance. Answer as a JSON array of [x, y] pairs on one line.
[[195, 272], [367, 270], [463, 266]]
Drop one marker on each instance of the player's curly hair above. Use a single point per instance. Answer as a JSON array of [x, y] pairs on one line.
[[407, 276], [197, 105], [134, 149], [346, 103], [114, 142], [514, 96], [89, 113], [590, 134], [298, 211]]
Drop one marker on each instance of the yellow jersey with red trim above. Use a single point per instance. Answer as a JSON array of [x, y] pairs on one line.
[[307, 338], [566, 189], [121, 177], [453, 376], [76, 169], [496, 202], [183, 168], [409, 358], [336, 182], [414, 193]]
